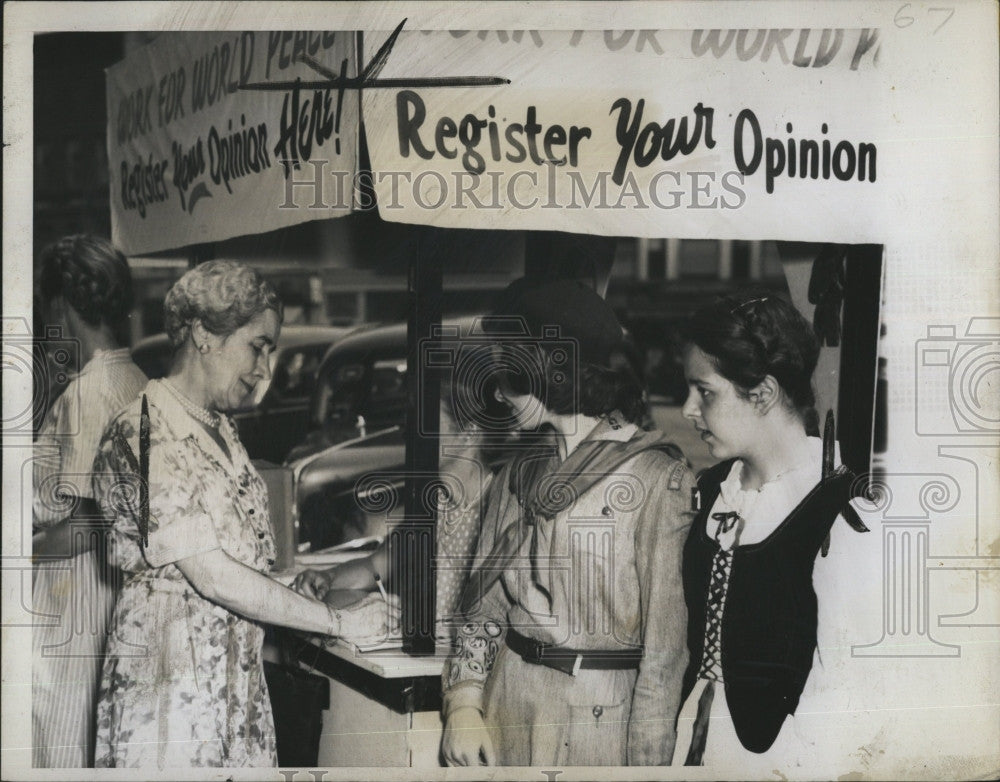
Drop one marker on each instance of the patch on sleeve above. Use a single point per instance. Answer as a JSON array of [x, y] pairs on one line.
[[676, 476]]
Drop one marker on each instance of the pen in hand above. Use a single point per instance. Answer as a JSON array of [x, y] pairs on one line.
[[381, 589]]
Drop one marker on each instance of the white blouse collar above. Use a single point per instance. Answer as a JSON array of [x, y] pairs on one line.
[[765, 508]]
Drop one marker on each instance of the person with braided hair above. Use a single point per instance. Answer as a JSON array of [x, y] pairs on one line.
[[84, 287], [764, 514]]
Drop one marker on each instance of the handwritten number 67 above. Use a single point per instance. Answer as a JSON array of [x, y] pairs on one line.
[[902, 19]]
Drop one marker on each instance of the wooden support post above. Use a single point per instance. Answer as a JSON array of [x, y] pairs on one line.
[[412, 543]]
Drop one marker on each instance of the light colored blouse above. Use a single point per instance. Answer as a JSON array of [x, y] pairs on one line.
[[812, 738], [765, 508], [72, 429]]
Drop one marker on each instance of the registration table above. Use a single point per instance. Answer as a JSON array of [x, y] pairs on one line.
[[385, 705]]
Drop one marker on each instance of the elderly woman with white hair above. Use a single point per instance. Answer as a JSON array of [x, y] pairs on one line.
[[183, 682]]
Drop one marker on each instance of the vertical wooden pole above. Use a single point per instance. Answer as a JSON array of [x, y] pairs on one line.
[[412, 543], [860, 318]]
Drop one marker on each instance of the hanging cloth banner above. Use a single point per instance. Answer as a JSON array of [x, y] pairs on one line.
[[208, 131], [684, 133]]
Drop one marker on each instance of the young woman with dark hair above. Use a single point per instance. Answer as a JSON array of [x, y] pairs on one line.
[[764, 514], [572, 648]]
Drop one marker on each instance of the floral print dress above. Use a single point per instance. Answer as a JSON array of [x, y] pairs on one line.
[[183, 680]]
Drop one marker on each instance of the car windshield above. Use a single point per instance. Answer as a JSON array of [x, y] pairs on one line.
[[293, 377], [361, 396]]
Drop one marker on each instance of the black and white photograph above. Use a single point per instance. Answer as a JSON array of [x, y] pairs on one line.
[[592, 390]]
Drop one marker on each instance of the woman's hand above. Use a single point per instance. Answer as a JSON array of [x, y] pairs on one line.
[[355, 574], [344, 598], [369, 621], [314, 583], [466, 740]]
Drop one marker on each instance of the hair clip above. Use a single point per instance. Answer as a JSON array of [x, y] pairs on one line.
[[739, 307]]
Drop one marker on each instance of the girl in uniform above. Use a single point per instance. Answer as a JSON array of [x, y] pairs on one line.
[[572, 648]]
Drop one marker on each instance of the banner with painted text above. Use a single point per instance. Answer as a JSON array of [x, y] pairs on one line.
[[205, 131], [691, 133]]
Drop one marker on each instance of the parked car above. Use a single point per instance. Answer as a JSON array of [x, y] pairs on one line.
[[348, 473], [281, 420], [349, 470]]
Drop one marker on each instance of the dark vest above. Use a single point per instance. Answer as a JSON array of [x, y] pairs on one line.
[[769, 622]]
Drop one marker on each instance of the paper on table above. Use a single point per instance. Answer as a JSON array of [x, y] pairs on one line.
[[340, 553], [393, 643]]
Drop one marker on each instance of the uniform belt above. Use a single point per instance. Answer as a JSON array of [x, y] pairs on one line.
[[572, 660]]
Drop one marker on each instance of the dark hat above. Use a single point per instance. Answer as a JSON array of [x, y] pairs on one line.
[[558, 310]]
